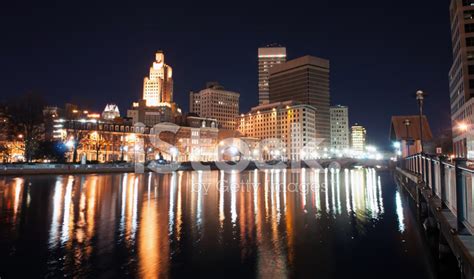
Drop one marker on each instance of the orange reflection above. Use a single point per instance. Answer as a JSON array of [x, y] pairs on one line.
[[148, 248]]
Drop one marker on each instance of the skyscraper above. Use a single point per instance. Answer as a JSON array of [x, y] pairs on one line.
[[157, 104], [216, 102], [358, 138], [461, 76], [158, 86], [267, 57], [306, 80], [340, 128]]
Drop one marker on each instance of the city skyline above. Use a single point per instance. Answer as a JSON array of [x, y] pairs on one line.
[[151, 139], [353, 73]]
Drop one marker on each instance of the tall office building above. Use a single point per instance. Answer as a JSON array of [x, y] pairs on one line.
[[340, 128], [461, 76], [158, 86], [157, 105], [216, 102], [267, 57], [290, 122], [358, 135], [306, 80]]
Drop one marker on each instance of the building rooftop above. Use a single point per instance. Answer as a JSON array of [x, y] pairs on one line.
[[278, 104], [277, 51], [303, 61], [398, 129]]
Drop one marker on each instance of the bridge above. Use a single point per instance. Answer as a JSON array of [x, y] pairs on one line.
[[443, 193]]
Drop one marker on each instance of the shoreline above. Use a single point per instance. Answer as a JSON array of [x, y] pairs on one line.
[[63, 169]]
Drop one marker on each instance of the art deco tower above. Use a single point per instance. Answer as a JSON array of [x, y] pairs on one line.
[[158, 87]]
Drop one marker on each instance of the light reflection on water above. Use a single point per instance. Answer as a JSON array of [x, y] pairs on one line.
[[259, 223]]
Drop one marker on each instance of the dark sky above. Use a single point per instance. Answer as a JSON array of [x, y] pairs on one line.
[[93, 53]]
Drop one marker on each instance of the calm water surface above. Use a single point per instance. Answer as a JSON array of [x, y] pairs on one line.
[[273, 224]]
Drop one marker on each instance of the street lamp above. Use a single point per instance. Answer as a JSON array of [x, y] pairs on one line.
[[407, 123], [420, 96], [463, 127]]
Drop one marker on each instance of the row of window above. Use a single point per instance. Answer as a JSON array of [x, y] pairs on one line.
[[468, 2]]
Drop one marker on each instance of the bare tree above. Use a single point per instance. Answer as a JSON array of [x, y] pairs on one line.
[[78, 136], [26, 116], [5, 152]]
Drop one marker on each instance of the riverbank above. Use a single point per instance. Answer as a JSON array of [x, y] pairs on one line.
[[27, 169], [40, 169]]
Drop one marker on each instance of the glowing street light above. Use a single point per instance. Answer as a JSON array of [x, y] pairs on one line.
[[420, 96], [70, 143], [462, 127]]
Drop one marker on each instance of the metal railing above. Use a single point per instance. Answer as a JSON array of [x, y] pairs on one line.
[[451, 182]]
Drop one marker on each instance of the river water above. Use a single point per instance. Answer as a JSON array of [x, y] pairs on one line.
[[267, 224]]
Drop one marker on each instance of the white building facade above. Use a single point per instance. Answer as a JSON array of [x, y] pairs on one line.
[[340, 139], [216, 102], [288, 127]]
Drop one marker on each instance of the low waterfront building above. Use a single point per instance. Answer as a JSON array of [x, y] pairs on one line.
[[111, 111], [197, 141], [122, 140], [289, 128], [150, 116], [405, 133]]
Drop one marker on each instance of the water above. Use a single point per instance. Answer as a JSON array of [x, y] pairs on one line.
[[349, 224]]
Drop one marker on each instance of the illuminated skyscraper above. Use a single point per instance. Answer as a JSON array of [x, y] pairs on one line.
[[157, 104], [339, 127], [158, 86], [267, 57], [305, 80], [358, 138], [461, 76]]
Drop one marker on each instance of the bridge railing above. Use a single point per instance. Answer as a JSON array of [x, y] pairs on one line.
[[452, 182]]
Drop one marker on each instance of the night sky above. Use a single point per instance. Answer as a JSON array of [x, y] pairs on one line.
[[92, 53]]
